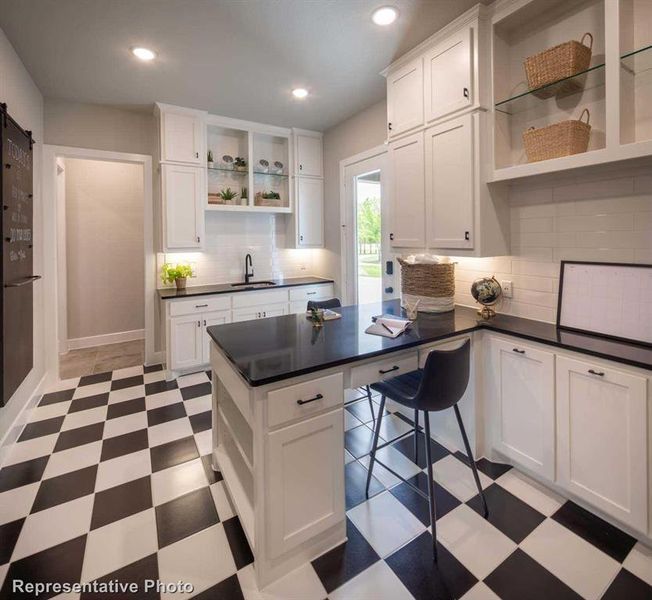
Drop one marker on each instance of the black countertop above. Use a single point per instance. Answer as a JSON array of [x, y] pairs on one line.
[[227, 288], [269, 350]]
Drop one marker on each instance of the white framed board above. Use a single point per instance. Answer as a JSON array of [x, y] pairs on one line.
[[609, 299]]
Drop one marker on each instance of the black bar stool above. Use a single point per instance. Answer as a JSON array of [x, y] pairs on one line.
[[335, 303], [440, 385]]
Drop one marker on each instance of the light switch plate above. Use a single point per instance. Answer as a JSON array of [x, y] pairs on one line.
[[507, 288]]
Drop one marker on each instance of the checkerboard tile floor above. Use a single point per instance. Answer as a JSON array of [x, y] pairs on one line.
[[111, 480]]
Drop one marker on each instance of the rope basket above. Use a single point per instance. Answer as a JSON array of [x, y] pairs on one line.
[[433, 285], [559, 62], [561, 139]]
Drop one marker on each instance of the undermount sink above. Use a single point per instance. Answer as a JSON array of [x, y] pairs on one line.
[[255, 284]]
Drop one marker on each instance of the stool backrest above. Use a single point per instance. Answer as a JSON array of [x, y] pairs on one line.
[[330, 303], [445, 378]]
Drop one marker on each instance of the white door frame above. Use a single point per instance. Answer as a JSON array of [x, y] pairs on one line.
[[50, 234], [347, 229]]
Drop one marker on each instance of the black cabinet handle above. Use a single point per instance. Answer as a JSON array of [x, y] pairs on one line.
[[204, 322], [301, 238], [300, 167], [391, 237], [196, 154], [302, 402], [467, 236], [598, 373], [389, 290], [466, 92], [310, 293], [198, 323], [389, 126], [394, 368], [201, 305], [518, 351]]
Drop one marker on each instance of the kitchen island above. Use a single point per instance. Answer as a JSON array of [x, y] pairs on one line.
[[278, 396]]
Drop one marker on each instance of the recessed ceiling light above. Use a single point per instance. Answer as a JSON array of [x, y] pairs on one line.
[[144, 53], [300, 92], [385, 15]]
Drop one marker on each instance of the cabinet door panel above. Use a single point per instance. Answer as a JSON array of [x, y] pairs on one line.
[[405, 98], [524, 407], [183, 201], [182, 138], [306, 481], [309, 156], [247, 314], [448, 76], [450, 183], [210, 319], [186, 342], [310, 206], [602, 432], [407, 200]]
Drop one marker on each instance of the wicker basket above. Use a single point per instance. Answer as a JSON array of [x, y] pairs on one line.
[[433, 285], [561, 139], [555, 64]]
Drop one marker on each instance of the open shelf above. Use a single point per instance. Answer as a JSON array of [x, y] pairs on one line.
[[281, 175], [271, 148], [230, 171]]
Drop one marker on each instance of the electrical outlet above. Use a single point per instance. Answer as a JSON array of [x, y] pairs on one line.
[[507, 288], [302, 267]]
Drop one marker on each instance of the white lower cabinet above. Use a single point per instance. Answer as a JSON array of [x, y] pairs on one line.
[[602, 438], [189, 340], [259, 312], [304, 464], [208, 320], [523, 404]]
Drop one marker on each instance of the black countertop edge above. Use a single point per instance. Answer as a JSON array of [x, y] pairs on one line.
[[226, 288]]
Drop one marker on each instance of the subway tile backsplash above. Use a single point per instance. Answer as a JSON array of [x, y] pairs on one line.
[[230, 236], [607, 220]]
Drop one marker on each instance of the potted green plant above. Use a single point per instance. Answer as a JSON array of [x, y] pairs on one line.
[[228, 195], [177, 274], [240, 164], [210, 162], [244, 196]]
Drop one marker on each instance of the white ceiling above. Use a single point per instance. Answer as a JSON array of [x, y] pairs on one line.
[[238, 58]]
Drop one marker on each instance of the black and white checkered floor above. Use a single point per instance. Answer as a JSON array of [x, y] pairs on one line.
[[111, 480]]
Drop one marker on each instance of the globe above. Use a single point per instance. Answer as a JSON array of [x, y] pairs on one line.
[[486, 291]]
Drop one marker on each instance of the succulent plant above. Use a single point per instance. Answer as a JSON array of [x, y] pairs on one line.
[[228, 194]]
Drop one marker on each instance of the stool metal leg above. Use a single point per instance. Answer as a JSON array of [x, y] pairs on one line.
[[371, 402], [469, 454], [431, 486], [416, 437], [372, 456]]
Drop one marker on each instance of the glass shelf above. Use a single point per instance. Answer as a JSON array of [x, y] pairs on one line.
[[224, 170], [637, 61], [281, 175], [590, 78]]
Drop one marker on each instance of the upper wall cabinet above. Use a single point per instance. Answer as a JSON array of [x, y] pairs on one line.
[[182, 190], [448, 76], [182, 135], [405, 98], [308, 154]]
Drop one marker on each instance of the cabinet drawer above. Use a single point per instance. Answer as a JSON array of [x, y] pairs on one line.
[[384, 369], [296, 401], [260, 299], [311, 292], [200, 304]]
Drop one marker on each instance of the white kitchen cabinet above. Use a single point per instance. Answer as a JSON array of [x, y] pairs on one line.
[[259, 312], [306, 486], [448, 76], [308, 154], [310, 212], [186, 341], [182, 192], [523, 404], [182, 136], [450, 183], [602, 438], [208, 320], [407, 200], [405, 98]]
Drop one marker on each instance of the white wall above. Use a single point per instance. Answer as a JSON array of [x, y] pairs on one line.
[[361, 132], [229, 237], [598, 219], [25, 104], [104, 247]]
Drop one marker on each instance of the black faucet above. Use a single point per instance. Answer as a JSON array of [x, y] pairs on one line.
[[248, 263]]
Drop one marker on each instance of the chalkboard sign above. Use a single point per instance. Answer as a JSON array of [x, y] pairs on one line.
[[18, 276]]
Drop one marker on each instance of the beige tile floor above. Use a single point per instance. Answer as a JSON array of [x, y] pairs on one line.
[[100, 359]]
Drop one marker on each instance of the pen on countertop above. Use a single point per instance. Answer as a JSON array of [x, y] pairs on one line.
[[388, 329]]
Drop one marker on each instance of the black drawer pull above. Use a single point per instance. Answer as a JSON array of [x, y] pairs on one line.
[[394, 368], [310, 293], [317, 397], [201, 305], [518, 351], [599, 373]]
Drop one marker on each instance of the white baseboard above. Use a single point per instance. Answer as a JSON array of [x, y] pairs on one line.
[[108, 338]]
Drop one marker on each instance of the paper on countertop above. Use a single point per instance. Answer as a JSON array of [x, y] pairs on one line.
[[396, 327]]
